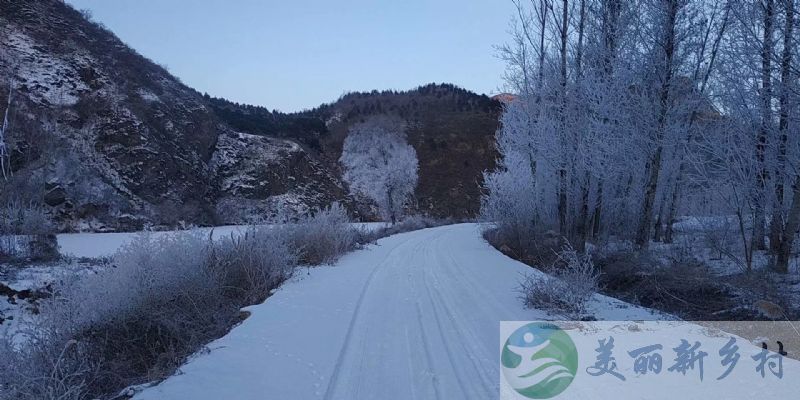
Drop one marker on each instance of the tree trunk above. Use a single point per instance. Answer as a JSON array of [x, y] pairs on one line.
[[562, 173], [562, 202], [789, 231], [545, 6], [776, 225], [657, 229], [611, 10], [392, 211], [598, 208], [583, 223], [579, 50], [673, 205], [658, 225], [611, 13], [583, 218], [766, 120], [676, 191], [653, 168], [748, 250]]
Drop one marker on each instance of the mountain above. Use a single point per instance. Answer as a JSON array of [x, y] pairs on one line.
[[109, 140], [451, 129]]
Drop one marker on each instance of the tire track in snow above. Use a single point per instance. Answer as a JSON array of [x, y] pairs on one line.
[[410, 364], [472, 287], [427, 347], [430, 367], [333, 383], [473, 344], [468, 348], [454, 366]]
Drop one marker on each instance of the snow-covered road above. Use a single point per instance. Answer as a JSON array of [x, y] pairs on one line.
[[414, 317]]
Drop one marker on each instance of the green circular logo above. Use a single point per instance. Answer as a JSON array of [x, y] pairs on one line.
[[539, 360]]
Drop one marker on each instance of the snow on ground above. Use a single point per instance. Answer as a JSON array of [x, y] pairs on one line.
[[95, 245], [414, 317]]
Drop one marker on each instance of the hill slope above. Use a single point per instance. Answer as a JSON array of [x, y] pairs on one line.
[[109, 140], [451, 129]]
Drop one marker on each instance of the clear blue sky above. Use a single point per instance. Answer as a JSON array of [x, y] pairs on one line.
[[296, 54]]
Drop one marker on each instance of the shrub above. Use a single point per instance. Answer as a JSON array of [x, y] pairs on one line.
[[160, 302], [535, 249], [249, 266], [26, 233], [26, 248], [164, 299], [567, 291], [22, 375], [722, 240], [511, 203], [324, 236], [685, 287], [17, 218]]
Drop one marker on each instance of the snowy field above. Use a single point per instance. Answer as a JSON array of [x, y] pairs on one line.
[[94, 245]]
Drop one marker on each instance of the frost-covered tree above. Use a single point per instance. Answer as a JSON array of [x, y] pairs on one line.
[[631, 113], [569, 119], [605, 126], [380, 164]]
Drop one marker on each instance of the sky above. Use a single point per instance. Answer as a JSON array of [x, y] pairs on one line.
[[297, 54]]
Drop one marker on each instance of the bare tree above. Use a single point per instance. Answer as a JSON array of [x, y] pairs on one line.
[[785, 111], [768, 15], [667, 42], [646, 110], [705, 62], [563, 36], [789, 231]]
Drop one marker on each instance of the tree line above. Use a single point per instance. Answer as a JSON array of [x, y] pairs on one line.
[[631, 114]]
